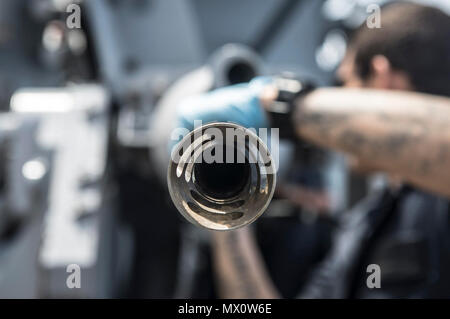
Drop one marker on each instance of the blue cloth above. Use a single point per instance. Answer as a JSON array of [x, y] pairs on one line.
[[237, 104]]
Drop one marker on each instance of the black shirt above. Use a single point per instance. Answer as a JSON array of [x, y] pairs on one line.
[[406, 233]]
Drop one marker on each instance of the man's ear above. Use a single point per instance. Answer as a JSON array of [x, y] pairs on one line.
[[383, 76], [381, 73]]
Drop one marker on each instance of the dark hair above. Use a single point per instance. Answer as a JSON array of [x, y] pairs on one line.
[[415, 39]]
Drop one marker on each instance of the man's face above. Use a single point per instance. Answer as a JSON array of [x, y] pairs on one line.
[[346, 72]]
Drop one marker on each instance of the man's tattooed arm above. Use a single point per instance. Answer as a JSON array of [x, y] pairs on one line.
[[239, 267], [402, 133]]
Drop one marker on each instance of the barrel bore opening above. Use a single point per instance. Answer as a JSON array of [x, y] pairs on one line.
[[222, 180]]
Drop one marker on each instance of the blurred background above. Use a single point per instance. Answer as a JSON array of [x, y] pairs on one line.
[[80, 139]]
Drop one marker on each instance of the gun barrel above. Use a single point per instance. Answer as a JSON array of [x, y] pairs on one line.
[[219, 181]]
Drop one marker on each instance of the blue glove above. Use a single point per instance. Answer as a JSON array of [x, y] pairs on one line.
[[237, 104]]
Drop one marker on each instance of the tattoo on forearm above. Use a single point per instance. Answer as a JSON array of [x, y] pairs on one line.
[[392, 136], [241, 267], [239, 264]]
